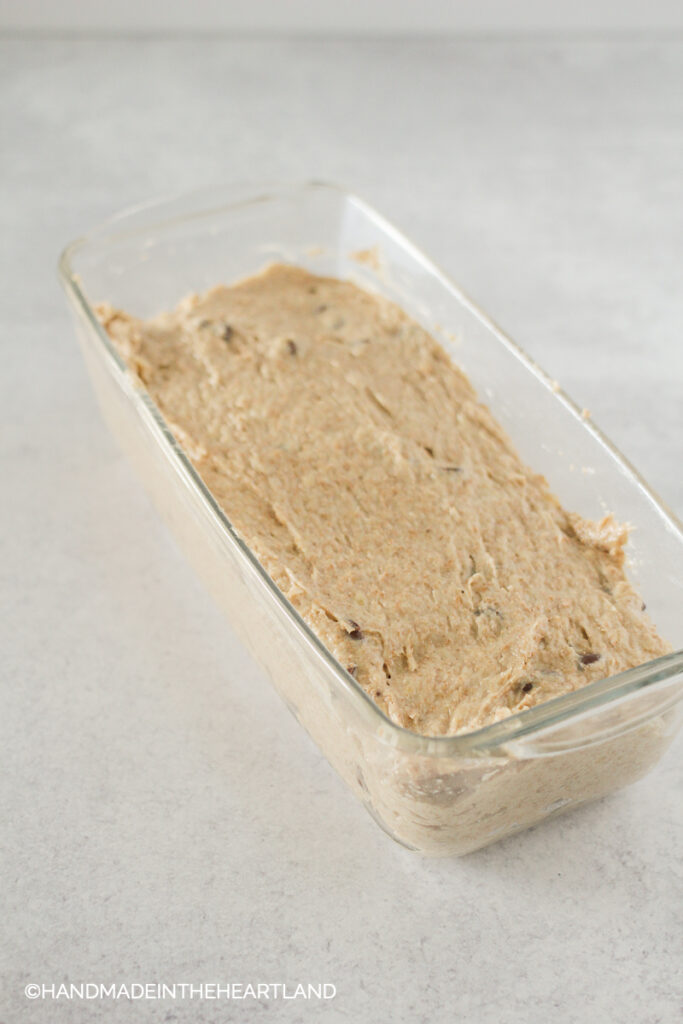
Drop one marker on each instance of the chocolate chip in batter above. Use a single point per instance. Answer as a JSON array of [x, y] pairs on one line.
[[227, 333], [355, 633], [352, 669], [527, 687], [291, 347], [604, 582], [589, 659], [489, 608]]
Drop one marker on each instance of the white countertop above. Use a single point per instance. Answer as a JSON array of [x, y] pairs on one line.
[[165, 818]]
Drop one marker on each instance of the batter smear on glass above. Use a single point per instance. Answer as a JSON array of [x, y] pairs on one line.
[[355, 460]]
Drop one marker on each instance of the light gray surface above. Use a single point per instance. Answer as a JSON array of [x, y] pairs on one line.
[[370, 17], [164, 818]]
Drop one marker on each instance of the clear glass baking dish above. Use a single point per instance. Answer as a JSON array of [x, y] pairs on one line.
[[438, 795]]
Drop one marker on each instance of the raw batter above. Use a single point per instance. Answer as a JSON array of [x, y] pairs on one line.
[[355, 460]]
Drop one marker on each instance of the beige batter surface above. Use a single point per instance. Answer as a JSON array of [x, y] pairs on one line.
[[355, 460]]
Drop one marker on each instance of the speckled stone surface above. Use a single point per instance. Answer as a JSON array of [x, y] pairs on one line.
[[164, 818]]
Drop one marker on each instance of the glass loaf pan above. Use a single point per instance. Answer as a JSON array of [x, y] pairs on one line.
[[438, 795]]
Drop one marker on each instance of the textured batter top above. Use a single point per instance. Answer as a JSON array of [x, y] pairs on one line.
[[391, 509]]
